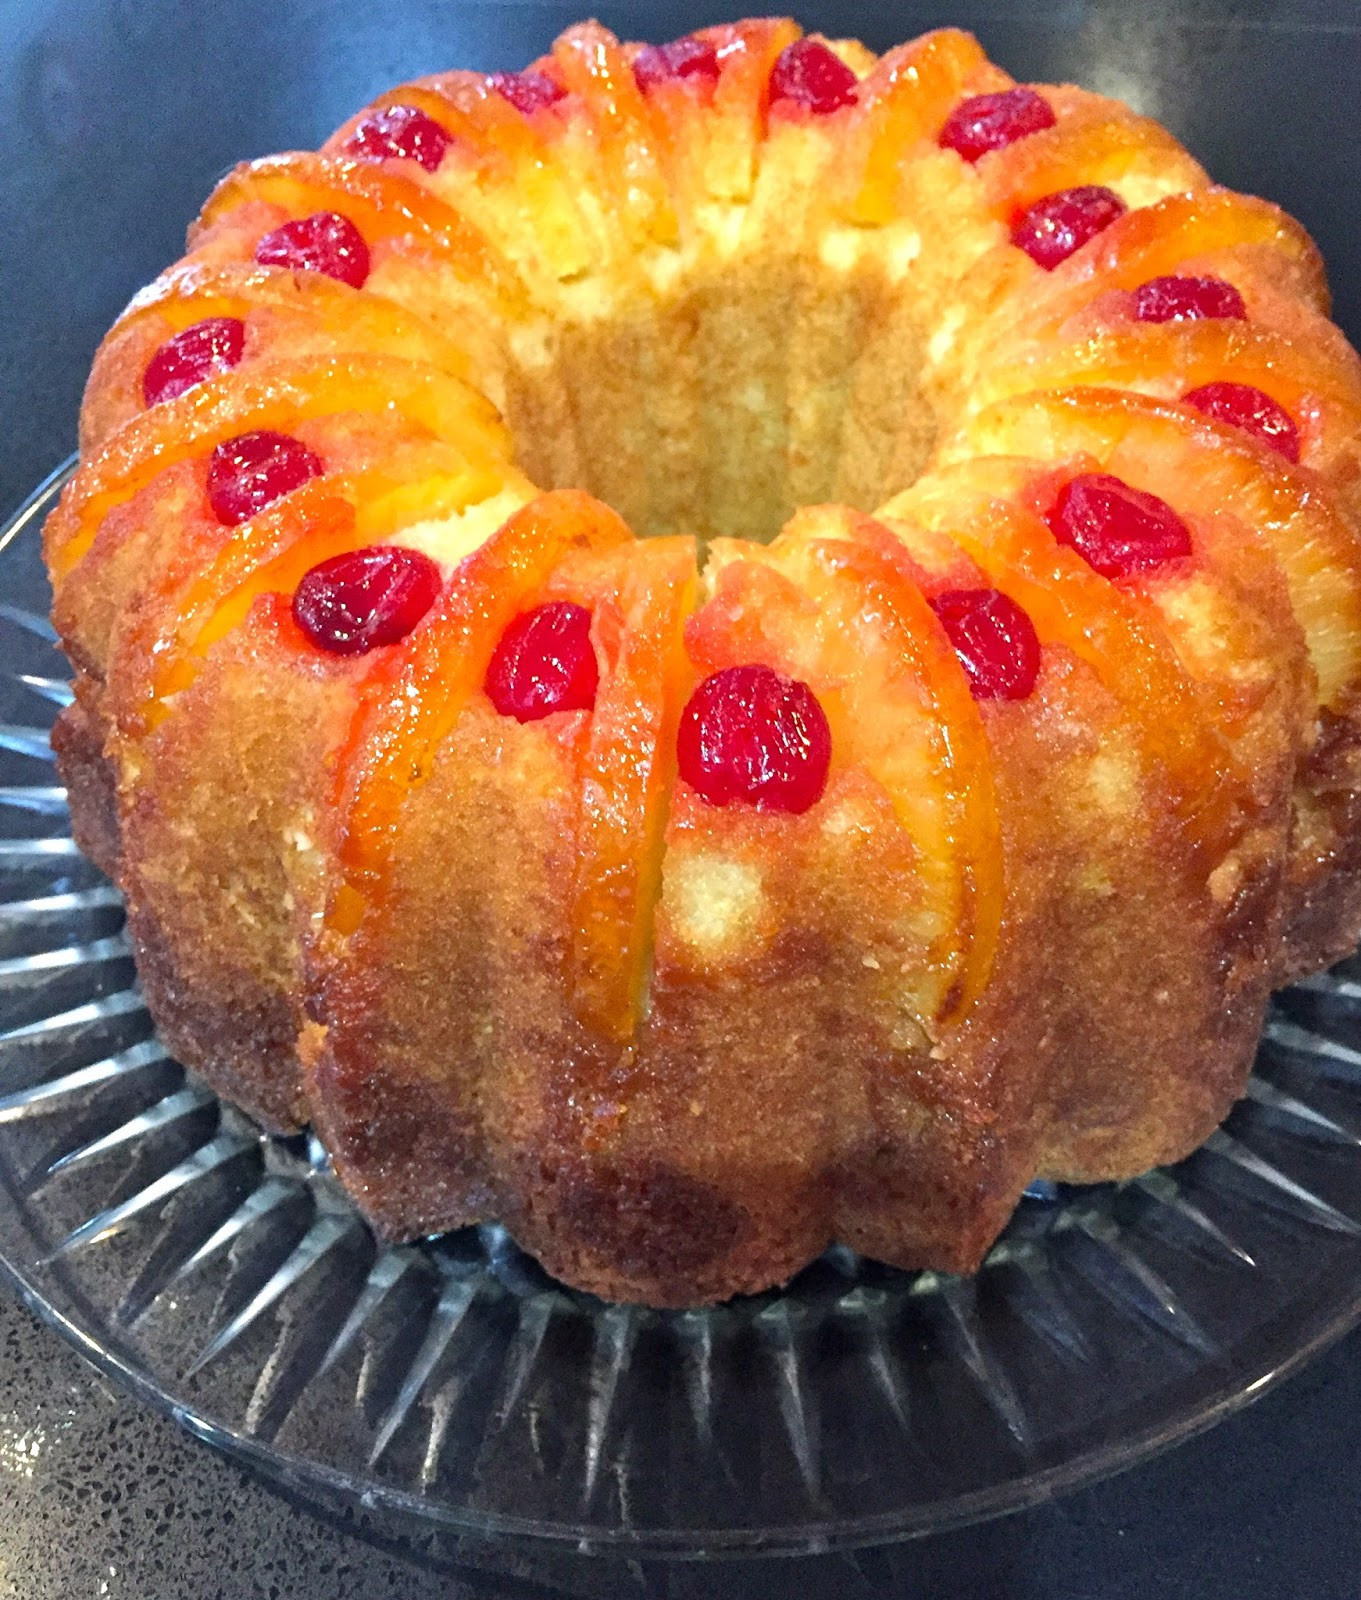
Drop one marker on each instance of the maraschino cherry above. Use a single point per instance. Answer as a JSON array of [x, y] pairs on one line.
[[1243, 406], [365, 598], [683, 60], [1058, 224], [1117, 529], [749, 734], [324, 242], [809, 74], [527, 91], [994, 639], [406, 132], [545, 662], [214, 345], [253, 470], [986, 122], [1179, 299]]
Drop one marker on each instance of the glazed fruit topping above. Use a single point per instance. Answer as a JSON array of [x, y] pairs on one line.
[[682, 58], [1248, 408], [749, 734], [527, 91], [324, 242], [994, 639], [195, 353], [253, 470], [1173, 299], [365, 598], [545, 662], [992, 121], [406, 132], [811, 75], [1058, 224], [1118, 530]]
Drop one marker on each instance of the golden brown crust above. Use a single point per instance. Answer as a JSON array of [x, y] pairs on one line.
[[1324, 887], [1154, 969], [439, 983], [239, 1033], [91, 785], [218, 840]]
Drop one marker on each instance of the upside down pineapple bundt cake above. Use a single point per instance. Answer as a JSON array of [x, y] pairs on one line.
[[711, 647]]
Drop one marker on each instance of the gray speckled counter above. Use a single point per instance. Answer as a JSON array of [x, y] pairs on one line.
[[99, 1497]]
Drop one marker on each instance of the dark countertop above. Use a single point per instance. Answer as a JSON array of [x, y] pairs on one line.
[[117, 115], [99, 1497]]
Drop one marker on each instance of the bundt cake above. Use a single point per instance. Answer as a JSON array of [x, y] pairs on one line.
[[711, 647]]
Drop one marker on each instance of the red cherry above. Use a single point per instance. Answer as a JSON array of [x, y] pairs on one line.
[[1250, 409], [1119, 530], [193, 354], [324, 242], [992, 121], [749, 734], [1051, 229], [527, 91], [357, 601], [811, 75], [253, 470], [994, 639], [1173, 299], [403, 131], [681, 59], [545, 662]]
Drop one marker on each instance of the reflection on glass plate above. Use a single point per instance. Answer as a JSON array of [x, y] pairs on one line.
[[223, 1275]]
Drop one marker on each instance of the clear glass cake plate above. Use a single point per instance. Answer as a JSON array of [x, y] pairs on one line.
[[222, 1275]]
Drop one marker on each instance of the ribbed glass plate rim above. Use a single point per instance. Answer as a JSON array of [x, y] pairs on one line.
[[701, 1544], [1242, 1372]]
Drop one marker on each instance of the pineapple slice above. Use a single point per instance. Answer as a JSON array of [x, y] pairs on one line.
[[1118, 785], [953, 820], [1114, 633], [1165, 359], [594, 67], [568, 811], [266, 397], [287, 315], [1203, 657], [902, 103], [420, 484], [824, 605], [1190, 233], [500, 172], [387, 208], [627, 775], [220, 848], [1204, 469], [1094, 141], [747, 52], [1315, 377], [415, 698], [1212, 232]]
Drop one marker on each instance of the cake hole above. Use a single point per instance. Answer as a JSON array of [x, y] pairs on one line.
[[736, 397]]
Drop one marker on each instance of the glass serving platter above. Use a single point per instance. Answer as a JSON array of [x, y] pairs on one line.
[[222, 1274]]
